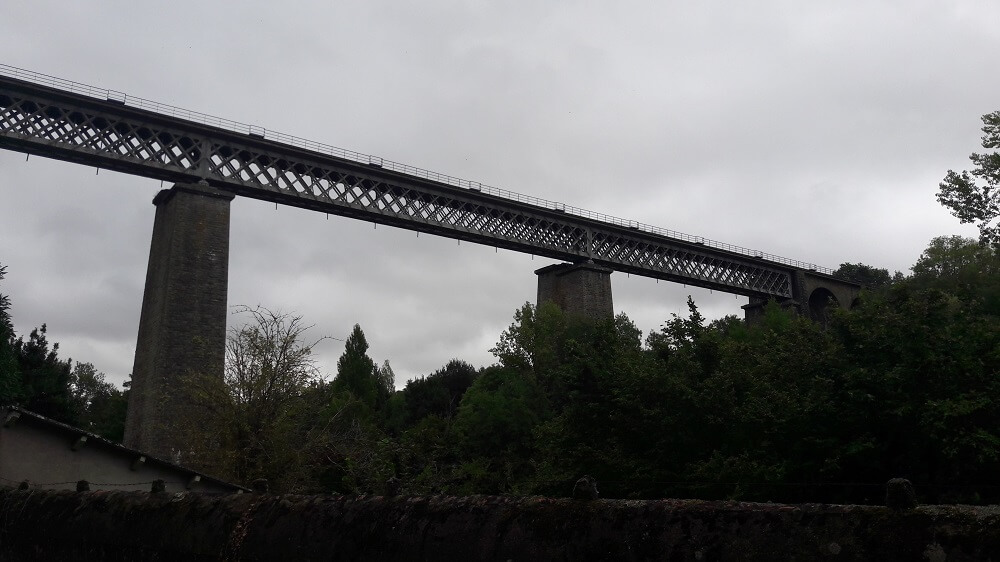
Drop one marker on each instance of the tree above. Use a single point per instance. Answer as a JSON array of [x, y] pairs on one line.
[[439, 393], [357, 456], [45, 379], [268, 363], [385, 385], [269, 368], [10, 386], [974, 202], [33, 376], [921, 378], [599, 396], [98, 406], [950, 258], [531, 342], [963, 268], [866, 275], [356, 372], [494, 427], [421, 417], [269, 412]]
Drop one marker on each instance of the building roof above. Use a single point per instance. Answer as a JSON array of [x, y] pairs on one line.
[[13, 415]]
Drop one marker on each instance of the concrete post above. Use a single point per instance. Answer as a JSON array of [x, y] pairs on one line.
[[582, 290], [182, 330]]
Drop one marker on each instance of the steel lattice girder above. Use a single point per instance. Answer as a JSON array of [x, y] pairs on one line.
[[57, 124]]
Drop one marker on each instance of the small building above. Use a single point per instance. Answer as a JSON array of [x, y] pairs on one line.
[[55, 456]]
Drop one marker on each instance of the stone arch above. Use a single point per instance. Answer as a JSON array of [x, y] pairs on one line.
[[819, 301]]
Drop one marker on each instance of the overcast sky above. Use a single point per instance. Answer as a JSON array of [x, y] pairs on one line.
[[815, 131]]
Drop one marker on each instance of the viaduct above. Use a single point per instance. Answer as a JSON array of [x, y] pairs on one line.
[[212, 160]]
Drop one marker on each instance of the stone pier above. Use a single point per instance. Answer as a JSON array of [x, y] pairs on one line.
[[182, 330], [582, 290]]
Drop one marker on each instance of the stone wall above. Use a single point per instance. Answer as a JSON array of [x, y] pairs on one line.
[[580, 290], [50, 525], [812, 291]]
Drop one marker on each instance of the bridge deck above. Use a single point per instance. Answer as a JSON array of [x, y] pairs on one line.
[[105, 129]]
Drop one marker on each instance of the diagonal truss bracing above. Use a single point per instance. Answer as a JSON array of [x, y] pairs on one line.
[[55, 123]]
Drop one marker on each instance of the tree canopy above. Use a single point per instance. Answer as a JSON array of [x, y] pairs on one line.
[[866, 275], [10, 385], [45, 379], [97, 405], [356, 371], [974, 196], [784, 409], [34, 377]]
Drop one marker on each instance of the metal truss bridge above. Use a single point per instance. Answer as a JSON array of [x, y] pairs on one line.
[[55, 118]]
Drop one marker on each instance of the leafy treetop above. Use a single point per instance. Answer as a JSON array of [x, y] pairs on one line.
[[973, 196]]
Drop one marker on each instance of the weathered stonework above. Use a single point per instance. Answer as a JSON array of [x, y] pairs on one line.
[[182, 330], [125, 526], [812, 293], [582, 290]]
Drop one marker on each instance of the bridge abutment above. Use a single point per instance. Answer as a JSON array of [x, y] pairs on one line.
[[812, 294], [182, 329], [582, 290]]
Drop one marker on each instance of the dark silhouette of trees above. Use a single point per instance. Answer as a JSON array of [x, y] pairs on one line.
[[438, 394], [866, 275], [356, 371], [10, 385], [98, 406], [783, 410], [32, 376], [45, 379], [385, 385]]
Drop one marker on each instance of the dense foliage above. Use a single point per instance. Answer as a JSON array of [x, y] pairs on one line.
[[785, 409], [9, 378], [34, 377]]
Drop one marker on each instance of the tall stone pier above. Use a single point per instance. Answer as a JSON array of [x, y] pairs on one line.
[[182, 330], [582, 290]]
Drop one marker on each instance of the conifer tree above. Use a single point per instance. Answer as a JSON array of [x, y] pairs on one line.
[[356, 372], [10, 388], [45, 378]]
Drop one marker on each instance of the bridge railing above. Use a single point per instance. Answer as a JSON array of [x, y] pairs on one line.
[[268, 134]]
